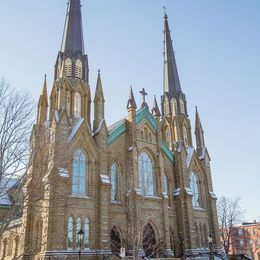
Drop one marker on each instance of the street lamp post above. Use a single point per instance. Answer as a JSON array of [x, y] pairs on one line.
[[210, 240], [81, 235]]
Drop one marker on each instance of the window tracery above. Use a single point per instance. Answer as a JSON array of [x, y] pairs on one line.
[[145, 172], [79, 173]]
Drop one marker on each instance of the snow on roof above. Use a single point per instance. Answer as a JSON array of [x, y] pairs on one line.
[[63, 172], [56, 115], [176, 192], [213, 195], [190, 151], [115, 125], [5, 185], [188, 191], [75, 129], [203, 154], [99, 127], [104, 179]]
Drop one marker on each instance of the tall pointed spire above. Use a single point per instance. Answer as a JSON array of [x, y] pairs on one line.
[[171, 82], [73, 31], [72, 62]]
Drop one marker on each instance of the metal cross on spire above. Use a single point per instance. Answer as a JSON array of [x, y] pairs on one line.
[[143, 93]]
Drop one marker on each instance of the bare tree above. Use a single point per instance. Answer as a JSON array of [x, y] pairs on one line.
[[142, 207], [15, 127], [229, 216]]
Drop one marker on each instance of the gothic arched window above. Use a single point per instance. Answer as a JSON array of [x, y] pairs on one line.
[[165, 184], [77, 105], [145, 173], [79, 173], [168, 135], [86, 231], [182, 107], [78, 71], [114, 182], [78, 228], [194, 185], [68, 67], [185, 136], [5, 243], [68, 105], [145, 134], [70, 232]]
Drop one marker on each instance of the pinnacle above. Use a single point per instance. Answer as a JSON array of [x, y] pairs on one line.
[[131, 100]]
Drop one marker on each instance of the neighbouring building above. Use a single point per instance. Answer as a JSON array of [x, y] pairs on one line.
[[141, 184], [245, 240]]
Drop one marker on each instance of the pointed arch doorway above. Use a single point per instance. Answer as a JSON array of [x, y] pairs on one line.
[[115, 241], [149, 241]]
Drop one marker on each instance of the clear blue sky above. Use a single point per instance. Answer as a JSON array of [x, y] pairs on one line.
[[217, 46]]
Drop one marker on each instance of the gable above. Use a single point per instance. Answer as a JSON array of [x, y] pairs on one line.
[[120, 127], [144, 114]]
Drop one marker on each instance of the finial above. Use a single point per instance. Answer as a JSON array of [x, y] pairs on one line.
[[98, 71], [45, 76], [131, 100], [196, 108], [165, 15], [155, 109], [143, 93]]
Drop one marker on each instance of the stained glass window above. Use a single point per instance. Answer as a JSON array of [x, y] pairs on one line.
[[145, 172], [77, 105], [79, 173], [194, 185], [86, 230], [70, 232], [114, 182]]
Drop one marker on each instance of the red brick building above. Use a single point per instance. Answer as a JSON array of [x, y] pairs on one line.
[[245, 240]]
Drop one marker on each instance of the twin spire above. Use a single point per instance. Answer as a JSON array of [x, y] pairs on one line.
[[171, 81]]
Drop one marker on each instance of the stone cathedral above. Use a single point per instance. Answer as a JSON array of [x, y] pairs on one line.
[[138, 187]]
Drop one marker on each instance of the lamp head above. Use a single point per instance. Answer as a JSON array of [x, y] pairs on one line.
[[210, 238], [81, 235]]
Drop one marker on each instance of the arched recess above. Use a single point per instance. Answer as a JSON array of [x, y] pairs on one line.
[[78, 69], [174, 242], [16, 247], [168, 136], [77, 104], [149, 241], [4, 248], [68, 67], [115, 240]]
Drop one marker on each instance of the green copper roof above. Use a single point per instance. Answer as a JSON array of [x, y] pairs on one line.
[[119, 128], [3, 206], [144, 113], [116, 131], [167, 151]]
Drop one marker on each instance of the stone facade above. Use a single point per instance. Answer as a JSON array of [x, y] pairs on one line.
[[139, 178]]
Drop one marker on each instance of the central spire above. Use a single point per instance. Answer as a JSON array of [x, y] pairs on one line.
[[72, 62], [73, 33], [171, 82]]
